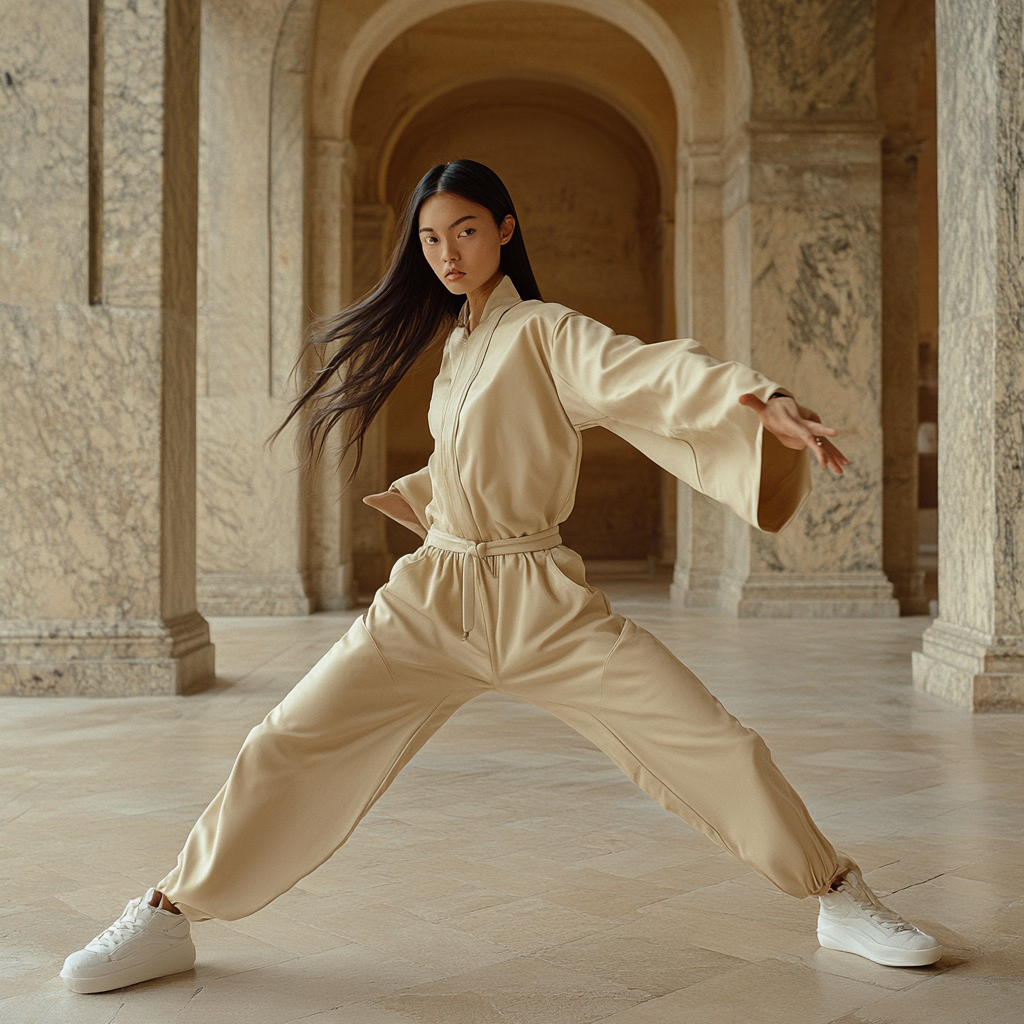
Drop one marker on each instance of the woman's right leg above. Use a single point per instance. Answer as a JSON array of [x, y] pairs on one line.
[[300, 784], [305, 777]]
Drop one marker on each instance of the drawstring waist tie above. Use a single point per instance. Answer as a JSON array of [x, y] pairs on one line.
[[475, 552]]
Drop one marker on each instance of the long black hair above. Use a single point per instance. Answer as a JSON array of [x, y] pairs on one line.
[[381, 335]]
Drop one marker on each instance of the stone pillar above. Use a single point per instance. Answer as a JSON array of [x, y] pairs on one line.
[[249, 553], [97, 397], [371, 562], [904, 35], [974, 652], [900, 338], [802, 240], [328, 518], [700, 555]]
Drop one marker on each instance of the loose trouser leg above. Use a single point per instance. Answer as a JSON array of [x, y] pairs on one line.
[[303, 779], [659, 723]]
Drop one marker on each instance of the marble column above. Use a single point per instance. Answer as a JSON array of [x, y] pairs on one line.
[[900, 340], [329, 259], [98, 308], [904, 38], [700, 529], [249, 550], [371, 563], [802, 243], [974, 652]]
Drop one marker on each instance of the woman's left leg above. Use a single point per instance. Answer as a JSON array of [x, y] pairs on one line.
[[659, 723]]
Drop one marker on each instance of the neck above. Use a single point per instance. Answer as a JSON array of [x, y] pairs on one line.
[[478, 299]]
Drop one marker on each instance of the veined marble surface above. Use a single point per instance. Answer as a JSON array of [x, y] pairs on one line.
[[248, 494], [133, 151], [44, 103], [974, 654], [802, 230], [813, 58], [79, 463], [97, 402], [251, 311]]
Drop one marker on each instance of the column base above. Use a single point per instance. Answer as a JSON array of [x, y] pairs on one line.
[[332, 589], [76, 658], [237, 593], [908, 589], [970, 669], [697, 588], [866, 595], [372, 570]]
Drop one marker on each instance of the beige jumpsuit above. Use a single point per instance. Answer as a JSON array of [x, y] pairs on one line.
[[492, 602]]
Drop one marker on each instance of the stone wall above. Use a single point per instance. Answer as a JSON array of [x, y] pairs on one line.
[[763, 212], [97, 317]]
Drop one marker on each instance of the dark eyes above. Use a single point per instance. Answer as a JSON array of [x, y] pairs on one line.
[[433, 239]]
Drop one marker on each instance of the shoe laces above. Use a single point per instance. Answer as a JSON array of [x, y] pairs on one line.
[[121, 929], [866, 900]]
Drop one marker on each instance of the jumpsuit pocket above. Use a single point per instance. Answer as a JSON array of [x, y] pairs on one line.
[[404, 563], [569, 566]]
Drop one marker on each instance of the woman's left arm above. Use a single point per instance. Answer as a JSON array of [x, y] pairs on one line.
[[714, 425]]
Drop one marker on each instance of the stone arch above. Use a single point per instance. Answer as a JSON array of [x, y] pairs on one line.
[[633, 17], [647, 115], [699, 51], [665, 178]]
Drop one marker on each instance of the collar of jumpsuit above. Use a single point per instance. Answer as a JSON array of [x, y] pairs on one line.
[[512, 398], [503, 296]]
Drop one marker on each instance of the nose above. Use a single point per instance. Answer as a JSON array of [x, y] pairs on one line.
[[450, 254]]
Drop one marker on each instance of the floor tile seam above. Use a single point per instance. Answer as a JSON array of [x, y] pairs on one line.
[[922, 977], [604, 926], [485, 993], [287, 954], [286, 957], [583, 975], [650, 995], [390, 949]]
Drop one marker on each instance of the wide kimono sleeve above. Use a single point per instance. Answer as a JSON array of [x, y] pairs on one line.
[[418, 490], [680, 407]]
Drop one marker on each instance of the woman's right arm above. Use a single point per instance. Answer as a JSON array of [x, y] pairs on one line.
[[406, 501]]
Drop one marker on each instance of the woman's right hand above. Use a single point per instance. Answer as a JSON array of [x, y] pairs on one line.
[[393, 505]]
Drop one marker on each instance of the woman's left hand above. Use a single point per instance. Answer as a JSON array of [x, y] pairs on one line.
[[797, 427], [393, 505]]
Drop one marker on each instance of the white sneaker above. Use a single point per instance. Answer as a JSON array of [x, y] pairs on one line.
[[852, 919], [143, 943]]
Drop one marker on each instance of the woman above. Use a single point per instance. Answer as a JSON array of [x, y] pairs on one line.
[[492, 601]]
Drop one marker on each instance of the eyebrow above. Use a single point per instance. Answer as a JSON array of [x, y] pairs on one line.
[[469, 216]]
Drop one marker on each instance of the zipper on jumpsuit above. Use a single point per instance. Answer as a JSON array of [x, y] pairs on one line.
[[473, 552], [450, 465]]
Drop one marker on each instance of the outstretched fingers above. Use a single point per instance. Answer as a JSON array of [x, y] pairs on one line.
[[828, 455], [798, 427]]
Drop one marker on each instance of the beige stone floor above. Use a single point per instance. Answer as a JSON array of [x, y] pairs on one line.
[[512, 874]]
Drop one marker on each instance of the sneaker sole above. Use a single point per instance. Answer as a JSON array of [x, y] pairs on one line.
[[884, 955], [175, 961]]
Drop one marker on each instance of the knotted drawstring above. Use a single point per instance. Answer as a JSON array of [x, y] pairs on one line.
[[474, 552]]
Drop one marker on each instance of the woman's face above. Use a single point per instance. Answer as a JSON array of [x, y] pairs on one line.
[[461, 242]]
